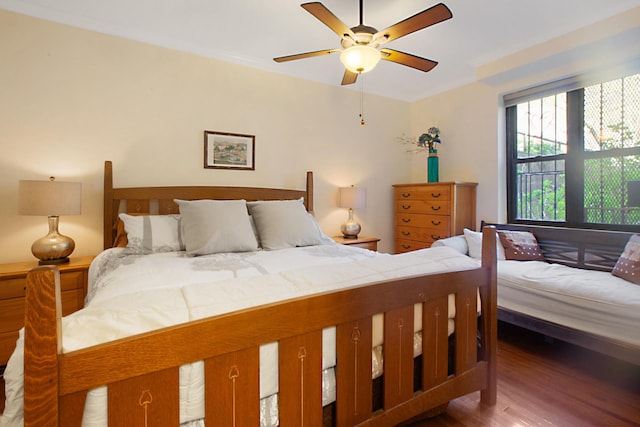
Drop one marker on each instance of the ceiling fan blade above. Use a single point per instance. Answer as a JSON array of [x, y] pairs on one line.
[[349, 77], [424, 19], [407, 59], [305, 55], [325, 16]]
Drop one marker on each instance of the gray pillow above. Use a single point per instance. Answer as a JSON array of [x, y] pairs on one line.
[[214, 226], [284, 224]]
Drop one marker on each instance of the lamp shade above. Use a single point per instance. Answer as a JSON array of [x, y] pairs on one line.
[[49, 198], [353, 197], [360, 58]]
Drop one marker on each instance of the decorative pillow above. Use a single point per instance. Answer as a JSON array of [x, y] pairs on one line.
[[628, 265], [152, 233], [474, 242], [520, 246], [284, 224], [215, 226]]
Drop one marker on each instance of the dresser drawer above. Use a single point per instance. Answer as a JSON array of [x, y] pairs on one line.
[[12, 309], [410, 245], [438, 222], [421, 234], [16, 287], [440, 207], [431, 192]]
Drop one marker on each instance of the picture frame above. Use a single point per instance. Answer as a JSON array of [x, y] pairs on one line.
[[224, 150]]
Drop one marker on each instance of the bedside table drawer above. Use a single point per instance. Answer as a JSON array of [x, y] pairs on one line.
[[12, 309], [16, 288]]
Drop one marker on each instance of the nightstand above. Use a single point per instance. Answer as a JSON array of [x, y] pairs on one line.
[[370, 243], [73, 287]]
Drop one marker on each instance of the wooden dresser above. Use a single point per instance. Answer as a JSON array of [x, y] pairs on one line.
[[13, 278], [427, 212]]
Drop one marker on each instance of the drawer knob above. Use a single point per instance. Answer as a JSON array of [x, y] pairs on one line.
[[436, 222], [406, 233], [406, 246], [434, 237], [436, 194], [406, 194], [406, 207], [436, 208], [406, 219]]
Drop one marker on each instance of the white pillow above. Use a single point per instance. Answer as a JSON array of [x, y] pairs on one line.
[[152, 233], [474, 241], [215, 226], [284, 224]]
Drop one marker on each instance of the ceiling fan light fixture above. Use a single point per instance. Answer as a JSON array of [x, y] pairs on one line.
[[360, 58]]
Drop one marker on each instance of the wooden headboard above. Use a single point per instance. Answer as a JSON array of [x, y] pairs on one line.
[[159, 200]]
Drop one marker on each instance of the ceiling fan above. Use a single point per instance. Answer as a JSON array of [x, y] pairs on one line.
[[360, 45]]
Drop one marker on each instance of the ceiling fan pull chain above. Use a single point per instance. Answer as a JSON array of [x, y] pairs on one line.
[[362, 123]]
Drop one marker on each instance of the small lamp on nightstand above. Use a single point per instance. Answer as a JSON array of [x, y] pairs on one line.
[[51, 198], [352, 198]]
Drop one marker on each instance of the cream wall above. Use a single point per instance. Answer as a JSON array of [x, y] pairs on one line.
[[471, 117], [70, 99]]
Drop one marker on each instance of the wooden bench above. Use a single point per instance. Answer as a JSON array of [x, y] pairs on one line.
[[587, 249]]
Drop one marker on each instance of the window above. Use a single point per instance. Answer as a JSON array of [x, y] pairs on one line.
[[574, 156]]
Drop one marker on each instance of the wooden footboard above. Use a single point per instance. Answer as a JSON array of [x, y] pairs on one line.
[[142, 371]]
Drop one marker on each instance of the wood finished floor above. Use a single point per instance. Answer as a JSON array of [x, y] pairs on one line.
[[542, 383]]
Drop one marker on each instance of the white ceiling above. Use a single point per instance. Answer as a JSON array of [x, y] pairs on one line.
[[253, 32]]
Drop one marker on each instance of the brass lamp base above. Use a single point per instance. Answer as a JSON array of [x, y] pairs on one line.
[[351, 228], [54, 248]]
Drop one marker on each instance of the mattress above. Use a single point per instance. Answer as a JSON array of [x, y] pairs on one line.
[[592, 301], [132, 293]]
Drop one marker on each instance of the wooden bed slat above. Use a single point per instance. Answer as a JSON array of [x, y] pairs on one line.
[[300, 380], [72, 408], [137, 206], [147, 400], [232, 389], [435, 342], [398, 356], [466, 330], [353, 346]]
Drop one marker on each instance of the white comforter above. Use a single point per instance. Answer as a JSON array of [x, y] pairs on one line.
[[131, 294]]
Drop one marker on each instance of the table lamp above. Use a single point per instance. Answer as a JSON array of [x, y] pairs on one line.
[[50, 198], [352, 198]]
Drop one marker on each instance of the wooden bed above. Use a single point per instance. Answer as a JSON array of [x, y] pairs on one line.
[[142, 375]]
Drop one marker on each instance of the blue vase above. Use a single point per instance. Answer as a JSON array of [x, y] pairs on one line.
[[432, 166]]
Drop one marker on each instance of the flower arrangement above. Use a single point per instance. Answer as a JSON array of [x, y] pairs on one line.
[[428, 139], [425, 142]]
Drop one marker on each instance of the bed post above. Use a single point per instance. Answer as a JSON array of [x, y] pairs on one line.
[[108, 205], [42, 346], [489, 296], [309, 199]]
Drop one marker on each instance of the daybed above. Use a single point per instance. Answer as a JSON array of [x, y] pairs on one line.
[[307, 308], [571, 294]]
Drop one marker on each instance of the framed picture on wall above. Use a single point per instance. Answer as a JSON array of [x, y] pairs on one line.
[[223, 150]]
